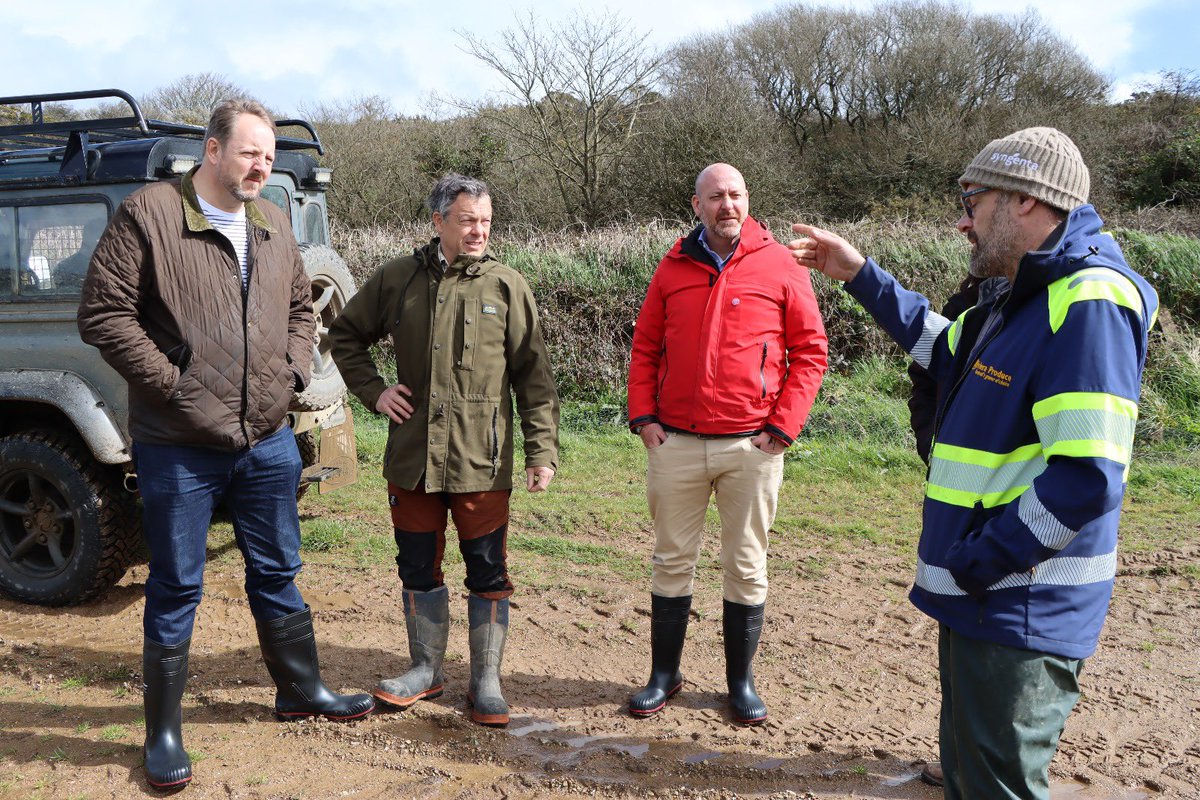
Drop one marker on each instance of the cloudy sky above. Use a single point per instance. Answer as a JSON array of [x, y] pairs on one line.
[[293, 53]]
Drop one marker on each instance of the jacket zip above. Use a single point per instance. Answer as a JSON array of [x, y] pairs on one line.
[[495, 441], [251, 252], [662, 375], [762, 371], [975, 352]]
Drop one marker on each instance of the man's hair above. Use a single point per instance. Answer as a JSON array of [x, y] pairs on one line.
[[220, 124], [449, 187]]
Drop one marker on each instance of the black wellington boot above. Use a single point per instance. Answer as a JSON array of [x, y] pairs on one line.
[[668, 627], [164, 671], [290, 652], [742, 626]]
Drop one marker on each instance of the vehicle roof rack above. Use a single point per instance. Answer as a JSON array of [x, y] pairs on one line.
[[40, 133]]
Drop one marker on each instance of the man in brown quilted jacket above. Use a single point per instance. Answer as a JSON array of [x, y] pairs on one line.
[[197, 295]]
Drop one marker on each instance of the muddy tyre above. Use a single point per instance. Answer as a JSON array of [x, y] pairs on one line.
[[332, 286], [68, 529], [306, 443]]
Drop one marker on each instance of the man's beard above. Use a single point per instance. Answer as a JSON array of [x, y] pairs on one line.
[[234, 187], [996, 253]]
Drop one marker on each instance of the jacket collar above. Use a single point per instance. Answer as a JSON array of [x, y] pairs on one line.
[[1076, 244], [427, 256], [194, 217], [754, 236]]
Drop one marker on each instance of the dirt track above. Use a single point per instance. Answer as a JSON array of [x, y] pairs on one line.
[[847, 668]]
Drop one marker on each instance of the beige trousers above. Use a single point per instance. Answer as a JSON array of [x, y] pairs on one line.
[[682, 473]]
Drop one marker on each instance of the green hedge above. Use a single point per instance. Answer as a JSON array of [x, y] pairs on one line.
[[590, 286]]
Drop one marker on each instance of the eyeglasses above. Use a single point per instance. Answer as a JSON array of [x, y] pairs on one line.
[[968, 206]]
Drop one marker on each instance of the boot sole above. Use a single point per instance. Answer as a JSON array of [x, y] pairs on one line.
[[397, 702], [291, 716], [754, 721], [649, 712], [491, 720], [172, 785]]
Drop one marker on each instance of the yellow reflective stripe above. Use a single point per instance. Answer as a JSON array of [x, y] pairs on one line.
[[982, 458], [1097, 283], [955, 334], [958, 497], [1089, 448], [1085, 401], [1087, 425], [963, 476]]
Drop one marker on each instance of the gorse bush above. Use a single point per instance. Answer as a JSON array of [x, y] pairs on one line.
[[590, 286]]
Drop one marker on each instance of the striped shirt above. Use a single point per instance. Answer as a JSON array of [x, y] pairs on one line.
[[232, 226]]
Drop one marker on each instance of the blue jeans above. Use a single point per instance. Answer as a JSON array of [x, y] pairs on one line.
[[180, 487]]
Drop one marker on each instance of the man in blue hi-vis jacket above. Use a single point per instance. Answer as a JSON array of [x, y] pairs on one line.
[[1032, 442]]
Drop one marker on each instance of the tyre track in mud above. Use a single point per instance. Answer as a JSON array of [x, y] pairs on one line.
[[846, 666]]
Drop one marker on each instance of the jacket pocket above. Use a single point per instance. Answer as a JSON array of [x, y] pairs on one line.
[[180, 356], [186, 386]]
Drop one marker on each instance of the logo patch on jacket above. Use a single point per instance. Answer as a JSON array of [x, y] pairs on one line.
[[489, 310], [990, 373]]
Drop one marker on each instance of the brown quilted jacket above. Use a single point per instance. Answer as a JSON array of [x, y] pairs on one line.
[[208, 365]]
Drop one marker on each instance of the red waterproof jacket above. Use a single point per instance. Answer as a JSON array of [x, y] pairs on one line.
[[728, 352]]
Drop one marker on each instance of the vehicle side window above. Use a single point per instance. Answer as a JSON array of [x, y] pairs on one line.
[[49, 255], [8, 252], [279, 196], [314, 224]]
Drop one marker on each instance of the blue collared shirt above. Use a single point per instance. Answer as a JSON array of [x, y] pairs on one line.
[[721, 262]]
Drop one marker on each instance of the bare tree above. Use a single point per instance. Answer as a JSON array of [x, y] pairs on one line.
[[888, 101], [190, 99], [374, 155], [710, 112], [579, 90]]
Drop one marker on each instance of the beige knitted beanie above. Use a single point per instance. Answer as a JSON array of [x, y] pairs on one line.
[[1040, 162]]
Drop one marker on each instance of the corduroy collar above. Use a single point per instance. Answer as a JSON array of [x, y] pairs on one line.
[[194, 217]]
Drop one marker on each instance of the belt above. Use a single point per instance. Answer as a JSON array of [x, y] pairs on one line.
[[741, 435]]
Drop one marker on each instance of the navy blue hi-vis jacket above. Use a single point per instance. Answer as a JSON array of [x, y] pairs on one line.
[[1031, 453]]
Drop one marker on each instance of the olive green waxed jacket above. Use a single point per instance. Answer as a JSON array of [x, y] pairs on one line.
[[465, 343]]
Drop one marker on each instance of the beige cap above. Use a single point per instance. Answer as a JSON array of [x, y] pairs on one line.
[[1041, 162]]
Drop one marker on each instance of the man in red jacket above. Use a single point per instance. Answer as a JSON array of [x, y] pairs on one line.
[[728, 354]]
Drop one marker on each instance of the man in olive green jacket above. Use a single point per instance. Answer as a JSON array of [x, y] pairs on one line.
[[466, 336]]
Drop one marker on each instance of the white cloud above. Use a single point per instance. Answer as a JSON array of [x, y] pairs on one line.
[[293, 52], [84, 25], [1124, 88], [1103, 30]]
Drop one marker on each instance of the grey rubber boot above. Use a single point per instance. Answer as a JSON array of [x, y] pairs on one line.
[[489, 627], [427, 617]]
